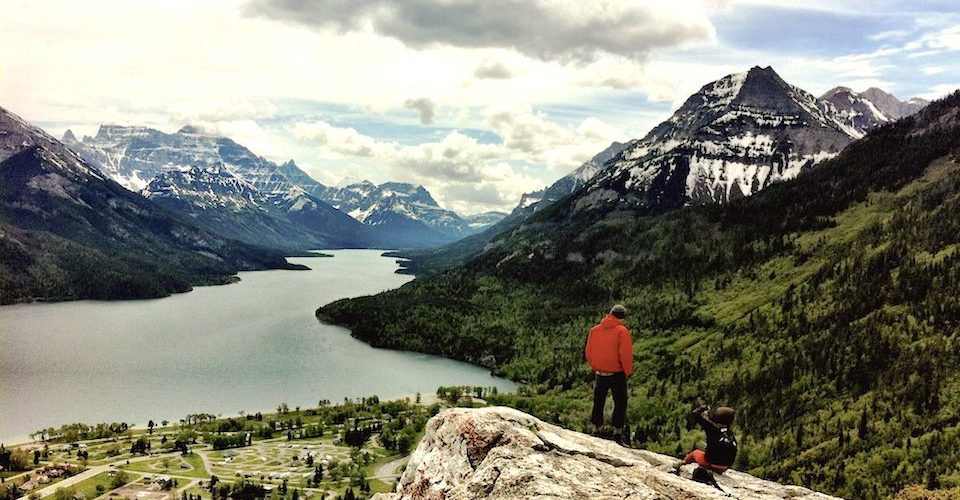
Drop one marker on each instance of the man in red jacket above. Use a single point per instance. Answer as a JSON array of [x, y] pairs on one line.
[[610, 355]]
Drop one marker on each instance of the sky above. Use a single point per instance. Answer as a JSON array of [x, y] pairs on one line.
[[477, 100]]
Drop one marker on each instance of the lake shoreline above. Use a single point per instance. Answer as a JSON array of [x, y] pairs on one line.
[[216, 350]]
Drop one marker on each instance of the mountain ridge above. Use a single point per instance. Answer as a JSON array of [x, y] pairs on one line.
[[69, 232]]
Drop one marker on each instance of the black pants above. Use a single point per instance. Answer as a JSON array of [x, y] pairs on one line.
[[616, 383]]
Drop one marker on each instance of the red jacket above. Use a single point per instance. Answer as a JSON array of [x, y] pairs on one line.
[[609, 347]]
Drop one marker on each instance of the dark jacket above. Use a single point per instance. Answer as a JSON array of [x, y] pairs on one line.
[[721, 443]]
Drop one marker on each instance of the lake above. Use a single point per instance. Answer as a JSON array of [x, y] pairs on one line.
[[247, 346]]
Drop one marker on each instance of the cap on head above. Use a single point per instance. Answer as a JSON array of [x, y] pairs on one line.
[[619, 311], [724, 415]]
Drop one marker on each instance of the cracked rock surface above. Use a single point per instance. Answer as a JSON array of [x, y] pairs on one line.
[[504, 453]]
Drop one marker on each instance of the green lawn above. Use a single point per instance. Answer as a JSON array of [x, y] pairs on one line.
[[196, 462], [173, 466], [88, 487]]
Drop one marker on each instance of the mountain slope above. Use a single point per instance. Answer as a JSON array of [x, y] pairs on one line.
[[134, 156], [216, 199], [68, 232], [566, 185], [823, 308]]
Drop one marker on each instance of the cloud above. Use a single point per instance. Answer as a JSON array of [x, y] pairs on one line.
[[216, 111], [940, 90], [467, 174], [493, 70], [424, 106], [524, 131], [544, 29], [529, 136], [345, 141]]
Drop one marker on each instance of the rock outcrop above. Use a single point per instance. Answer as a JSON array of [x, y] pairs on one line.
[[506, 454]]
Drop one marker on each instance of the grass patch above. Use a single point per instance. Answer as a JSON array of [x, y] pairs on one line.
[[88, 487], [198, 470]]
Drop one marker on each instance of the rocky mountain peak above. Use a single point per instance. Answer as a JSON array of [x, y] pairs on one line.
[[69, 137], [189, 129], [839, 89], [733, 137], [891, 105], [502, 453], [109, 132]]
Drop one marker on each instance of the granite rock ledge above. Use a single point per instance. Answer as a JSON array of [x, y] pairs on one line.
[[503, 453]]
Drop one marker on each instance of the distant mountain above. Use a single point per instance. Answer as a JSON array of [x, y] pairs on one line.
[[857, 109], [566, 185], [420, 261], [891, 106], [871, 108], [217, 199], [69, 232], [298, 218], [403, 211]]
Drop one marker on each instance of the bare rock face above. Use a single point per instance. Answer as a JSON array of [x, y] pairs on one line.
[[504, 453]]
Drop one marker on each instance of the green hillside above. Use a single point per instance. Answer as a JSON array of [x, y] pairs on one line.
[[826, 309]]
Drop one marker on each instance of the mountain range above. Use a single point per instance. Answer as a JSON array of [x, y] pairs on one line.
[[67, 231], [287, 207], [731, 139]]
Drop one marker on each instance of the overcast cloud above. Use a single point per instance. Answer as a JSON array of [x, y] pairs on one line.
[[545, 29]]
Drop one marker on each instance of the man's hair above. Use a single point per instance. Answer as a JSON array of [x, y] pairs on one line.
[[724, 415], [619, 311]]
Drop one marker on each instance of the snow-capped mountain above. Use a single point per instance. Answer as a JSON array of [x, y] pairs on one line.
[[210, 186], [215, 198], [566, 185], [873, 107], [731, 139], [856, 109], [199, 168], [397, 203]]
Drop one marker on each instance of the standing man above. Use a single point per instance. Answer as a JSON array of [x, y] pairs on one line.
[[610, 355]]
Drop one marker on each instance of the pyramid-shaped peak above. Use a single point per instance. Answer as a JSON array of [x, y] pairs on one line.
[[69, 137], [758, 76]]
